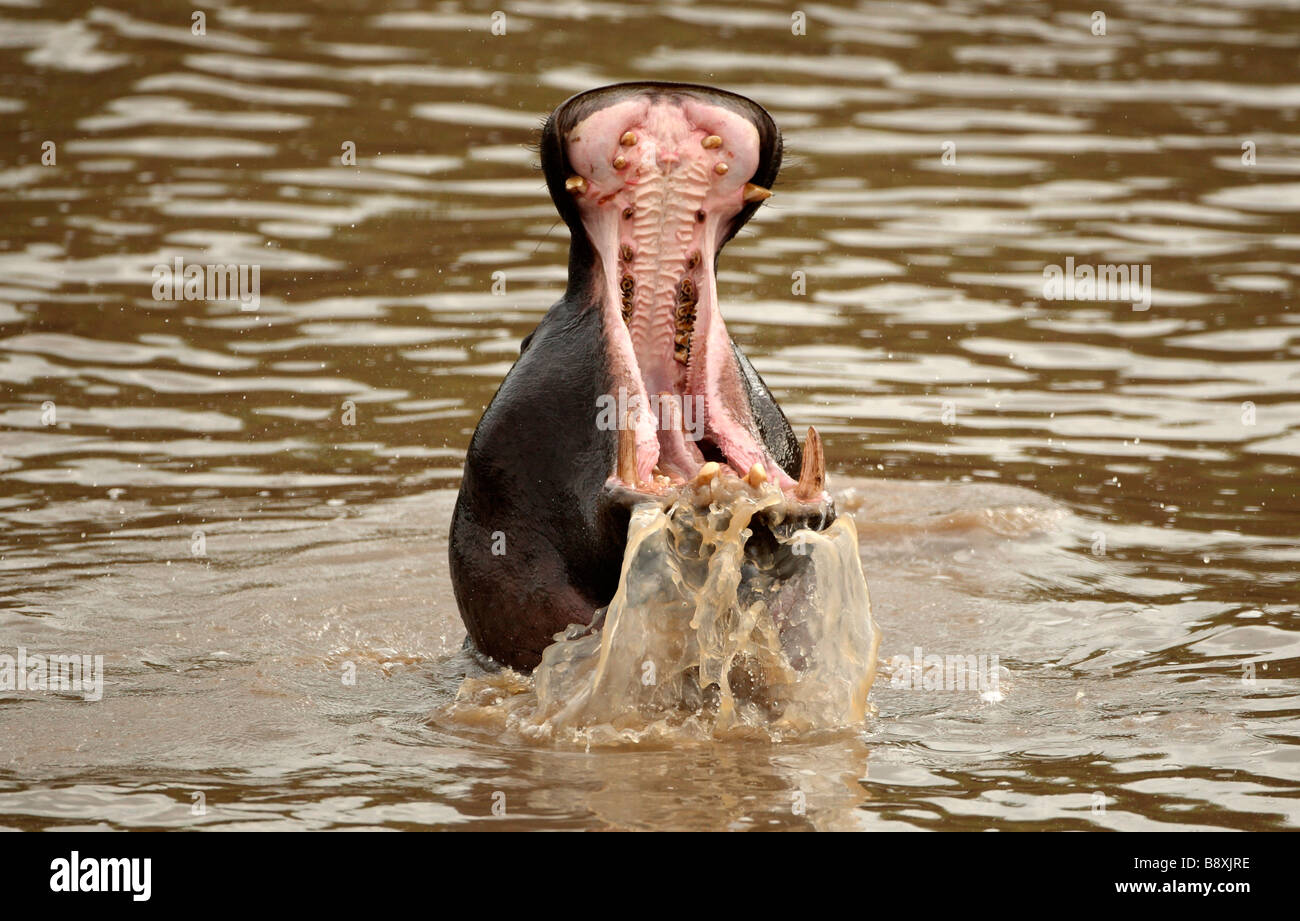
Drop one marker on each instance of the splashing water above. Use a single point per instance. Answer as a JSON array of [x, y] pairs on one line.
[[725, 623]]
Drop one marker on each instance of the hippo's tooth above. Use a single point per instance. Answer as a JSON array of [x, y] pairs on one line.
[[575, 184], [628, 139], [756, 192], [620, 162], [812, 476], [757, 476], [710, 142], [707, 473], [720, 168], [626, 467]]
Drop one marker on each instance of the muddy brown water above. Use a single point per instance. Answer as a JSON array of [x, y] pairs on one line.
[[231, 505]]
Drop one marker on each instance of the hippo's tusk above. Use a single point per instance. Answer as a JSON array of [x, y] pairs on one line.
[[626, 466], [756, 192], [812, 476]]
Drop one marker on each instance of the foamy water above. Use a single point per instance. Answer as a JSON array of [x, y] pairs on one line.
[[712, 633]]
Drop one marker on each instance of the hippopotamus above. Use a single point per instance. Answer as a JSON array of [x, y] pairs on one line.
[[630, 388]]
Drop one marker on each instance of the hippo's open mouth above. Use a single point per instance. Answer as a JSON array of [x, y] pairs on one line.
[[661, 177]]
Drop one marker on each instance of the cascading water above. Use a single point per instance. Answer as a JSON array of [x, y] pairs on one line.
[[724, 623]]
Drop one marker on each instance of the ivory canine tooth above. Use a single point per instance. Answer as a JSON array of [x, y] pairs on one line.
[[757, 476], [707, 473], [626, 467], [711, 142], [620, 162], [812, 475], [721, 169], [756, 192], [628, 139], [575, 184]]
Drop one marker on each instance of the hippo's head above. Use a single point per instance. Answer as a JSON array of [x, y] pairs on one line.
[[630, 389]]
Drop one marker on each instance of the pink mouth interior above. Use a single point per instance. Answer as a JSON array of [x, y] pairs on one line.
[[662, 177]]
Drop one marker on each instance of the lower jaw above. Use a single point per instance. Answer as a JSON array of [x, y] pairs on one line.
[[697, 471], [682, 405], [775, 512], [682, 408]]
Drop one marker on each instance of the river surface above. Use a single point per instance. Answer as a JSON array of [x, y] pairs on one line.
[[245, 511]]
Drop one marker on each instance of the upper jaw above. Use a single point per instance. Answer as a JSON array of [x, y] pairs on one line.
[[559, 169]]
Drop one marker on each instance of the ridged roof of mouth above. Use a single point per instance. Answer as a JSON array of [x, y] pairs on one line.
[[660, 177]]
